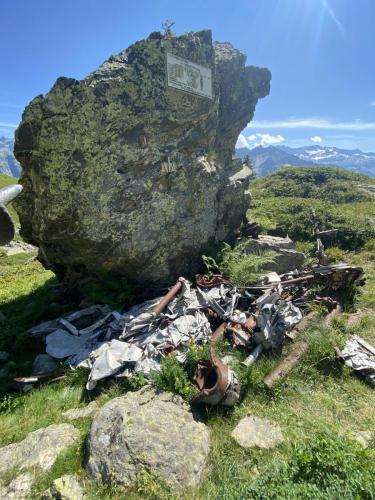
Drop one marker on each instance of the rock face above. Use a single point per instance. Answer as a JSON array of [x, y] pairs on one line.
[[123, 173], [19, 488], [147, 431], [39, 449]]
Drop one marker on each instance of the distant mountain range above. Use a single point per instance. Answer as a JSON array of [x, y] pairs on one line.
[[268, 159], [8, 164]]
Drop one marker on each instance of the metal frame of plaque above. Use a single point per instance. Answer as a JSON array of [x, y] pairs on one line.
[[188, 76]]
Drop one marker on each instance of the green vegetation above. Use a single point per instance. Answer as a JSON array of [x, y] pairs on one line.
[[319, 406], [242, 269], [287, 198]]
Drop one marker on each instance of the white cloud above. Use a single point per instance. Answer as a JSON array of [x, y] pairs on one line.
[[316, 138], [242, 142], [259, 139], [313, 122]]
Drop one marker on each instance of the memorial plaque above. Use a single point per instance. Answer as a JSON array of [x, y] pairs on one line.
[[188, 76]]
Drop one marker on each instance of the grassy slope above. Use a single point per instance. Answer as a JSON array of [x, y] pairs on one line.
[[318, 407]]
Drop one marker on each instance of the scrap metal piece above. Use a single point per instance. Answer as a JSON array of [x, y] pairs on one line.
[[8, 193], [254, 355], [359, 355], [217, 383], [210, 281], [7, 228], [110, 358], [159, 308], [282, 369]]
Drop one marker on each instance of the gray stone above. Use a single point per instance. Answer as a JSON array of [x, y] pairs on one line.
[[146, 430], [39, 449], [86, 411], [43, 364], [64, 488], [287, 258], [19, 488], [364, 438], [255, 432], [3, 356], [151, 180]]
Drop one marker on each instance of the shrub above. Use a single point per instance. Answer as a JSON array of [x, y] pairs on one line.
[[173, 378], [241, 268]]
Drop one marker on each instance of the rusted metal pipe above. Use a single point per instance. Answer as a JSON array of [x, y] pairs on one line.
[[159, 308], [332, 315], [302, 325], [293, 358]]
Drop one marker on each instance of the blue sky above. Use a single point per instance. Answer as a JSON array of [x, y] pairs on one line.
[[320, 53]]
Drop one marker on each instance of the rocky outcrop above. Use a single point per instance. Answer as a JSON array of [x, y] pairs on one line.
[[39, 448], [146, 431], [287, 257], [64, 488], [124, 173]]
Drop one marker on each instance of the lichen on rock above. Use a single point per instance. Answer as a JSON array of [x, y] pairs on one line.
[[123, 173]]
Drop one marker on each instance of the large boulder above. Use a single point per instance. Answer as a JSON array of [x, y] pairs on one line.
[[128, 172], [146, 431]]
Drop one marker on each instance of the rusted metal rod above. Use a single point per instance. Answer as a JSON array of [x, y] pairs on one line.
[[159, 308], [332, 315], [293, 358]]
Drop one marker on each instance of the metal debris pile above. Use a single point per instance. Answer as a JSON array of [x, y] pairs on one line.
[[119, 344]]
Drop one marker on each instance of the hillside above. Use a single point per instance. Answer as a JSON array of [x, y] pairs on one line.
[[342, 200], [8, 164], [269, 159]]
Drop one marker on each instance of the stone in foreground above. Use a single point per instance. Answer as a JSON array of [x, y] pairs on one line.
[[255, 432], [39, 449], [125, 173], [19, 488], [364, 438], [147, 431], [64, 488]]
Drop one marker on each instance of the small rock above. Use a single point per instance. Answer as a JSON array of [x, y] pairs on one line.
[[64, 488], [3, 356], [43, 364], [147, 430], [39, 449], [252, 432], [19, 488], [86, 411], [364, 438]]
